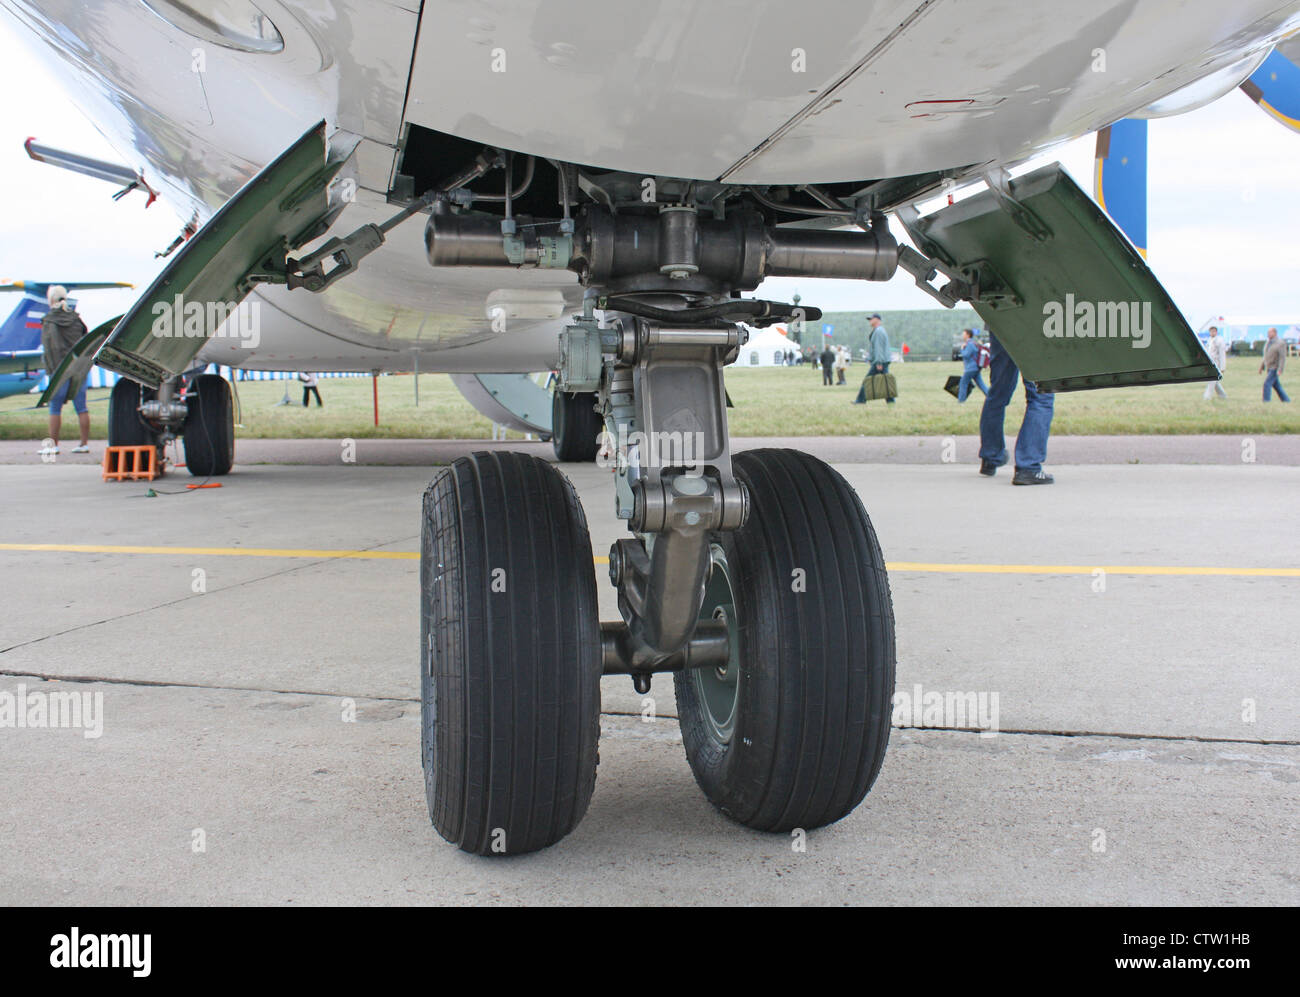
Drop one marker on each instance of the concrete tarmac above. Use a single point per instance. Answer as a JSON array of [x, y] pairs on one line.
[[1136, 623], [1231, 449]]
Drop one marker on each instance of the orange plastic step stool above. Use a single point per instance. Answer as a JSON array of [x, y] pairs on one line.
[[130, 463]]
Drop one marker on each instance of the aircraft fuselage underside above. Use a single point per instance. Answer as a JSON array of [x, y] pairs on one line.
[[901, 95]]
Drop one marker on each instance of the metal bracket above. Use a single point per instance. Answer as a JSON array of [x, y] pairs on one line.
[[978, 282], [999, 181], [925, 269], [347, 252], [989, 287]]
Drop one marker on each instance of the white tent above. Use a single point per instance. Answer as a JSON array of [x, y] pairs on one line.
[[766, 348]]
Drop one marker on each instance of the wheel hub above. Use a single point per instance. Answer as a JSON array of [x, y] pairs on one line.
[[719, 687]]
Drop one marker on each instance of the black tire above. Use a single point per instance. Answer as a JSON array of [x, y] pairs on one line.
[[812, 672], [509, 680], [575, 426], [125, 427], [209, 427]]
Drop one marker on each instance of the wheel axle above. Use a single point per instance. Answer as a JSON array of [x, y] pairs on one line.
[[709, 647]]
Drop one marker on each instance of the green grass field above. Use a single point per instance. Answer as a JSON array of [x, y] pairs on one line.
[[769, 402]]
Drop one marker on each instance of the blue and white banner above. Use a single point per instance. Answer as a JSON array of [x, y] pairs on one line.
[[101, 378]]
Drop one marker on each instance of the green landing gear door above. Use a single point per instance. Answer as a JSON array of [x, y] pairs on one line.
[[1064, 291], [292, 201]]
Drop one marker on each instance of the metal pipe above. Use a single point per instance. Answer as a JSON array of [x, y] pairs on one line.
[[419, 204], [726, 338], [795, 208], [869, 255], [518, 191], [480, 166], [820, 195], [755, 308]]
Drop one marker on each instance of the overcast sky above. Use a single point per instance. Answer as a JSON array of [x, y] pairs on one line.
[[1224, 225]]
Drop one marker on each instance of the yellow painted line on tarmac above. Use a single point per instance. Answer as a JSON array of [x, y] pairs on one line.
[[363, 555], [1088, 569], [917, 566]]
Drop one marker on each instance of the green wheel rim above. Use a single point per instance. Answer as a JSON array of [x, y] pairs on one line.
[[718, 688]]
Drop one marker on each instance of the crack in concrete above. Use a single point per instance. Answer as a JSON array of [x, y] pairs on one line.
[[1029, 731]]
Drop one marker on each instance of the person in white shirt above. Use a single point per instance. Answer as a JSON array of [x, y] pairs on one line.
[[1218, 351], [309, 388]]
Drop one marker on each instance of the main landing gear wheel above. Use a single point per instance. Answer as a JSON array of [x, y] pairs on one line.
[[125, 426], [510, 654], [575, 426], [791, 733], [209, 427]]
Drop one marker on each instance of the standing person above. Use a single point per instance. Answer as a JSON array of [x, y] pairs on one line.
[[309, 388], [828, 360], [878, 356], [61, 329], [1218, 351], [970, 371], [841, 364], [1031, 441], [1274, 363]]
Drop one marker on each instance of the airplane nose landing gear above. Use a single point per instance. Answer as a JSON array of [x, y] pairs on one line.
[[757, 582]]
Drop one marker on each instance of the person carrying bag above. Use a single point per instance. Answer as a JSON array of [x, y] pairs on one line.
[[878, 383]]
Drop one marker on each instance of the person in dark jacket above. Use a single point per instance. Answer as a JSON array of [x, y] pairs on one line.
[[1272, 365], [828, 363], [61, 330]]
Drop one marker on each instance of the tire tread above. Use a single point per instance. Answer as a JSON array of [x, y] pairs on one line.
[[819, 666], [516, 745]]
